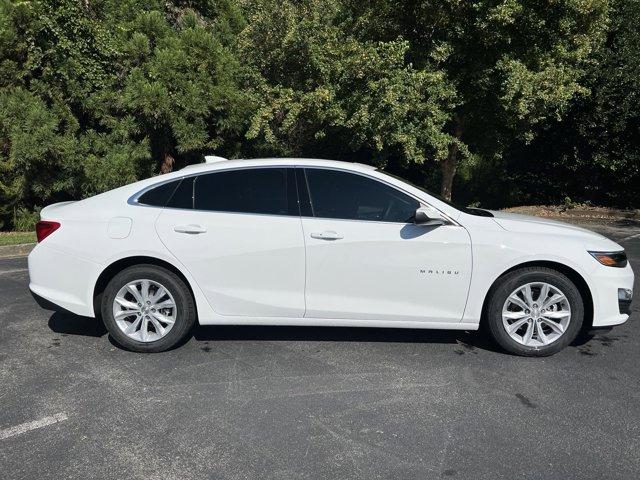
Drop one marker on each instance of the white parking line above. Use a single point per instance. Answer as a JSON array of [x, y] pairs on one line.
[[630, 237], [26, 427], [16, 270]]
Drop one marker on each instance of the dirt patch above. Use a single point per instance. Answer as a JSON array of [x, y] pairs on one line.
[[581, 213], [12, 251]]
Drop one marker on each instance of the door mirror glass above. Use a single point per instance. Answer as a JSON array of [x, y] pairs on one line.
[[428, 216]]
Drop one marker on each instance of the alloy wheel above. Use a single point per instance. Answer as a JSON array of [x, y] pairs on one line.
[[536, 314], [144, 310]]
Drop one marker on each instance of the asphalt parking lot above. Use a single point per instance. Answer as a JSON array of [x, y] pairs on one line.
[[297, 403]]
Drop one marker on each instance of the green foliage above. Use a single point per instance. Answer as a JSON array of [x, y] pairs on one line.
[[94, 95], [101, 93], [181, 83], [322, 89], [513, 64], [38, 161], [25, 220], [590, 154]]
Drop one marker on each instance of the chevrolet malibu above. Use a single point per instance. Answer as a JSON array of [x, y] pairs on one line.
[[318, 242]]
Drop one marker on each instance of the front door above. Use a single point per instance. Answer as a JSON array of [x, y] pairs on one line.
[[367, 260]]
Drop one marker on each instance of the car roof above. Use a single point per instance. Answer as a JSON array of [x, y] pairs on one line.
[[221, 164]]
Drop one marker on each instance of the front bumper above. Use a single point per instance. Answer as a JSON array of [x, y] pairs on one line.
[[608, 310], [625, 296]]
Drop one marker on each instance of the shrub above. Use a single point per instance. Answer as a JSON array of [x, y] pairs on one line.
[[25, 220]]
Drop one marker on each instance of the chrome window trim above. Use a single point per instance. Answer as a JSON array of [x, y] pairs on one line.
[[133, 199]]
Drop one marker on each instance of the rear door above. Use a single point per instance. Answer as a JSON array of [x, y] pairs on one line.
[[239, 233]]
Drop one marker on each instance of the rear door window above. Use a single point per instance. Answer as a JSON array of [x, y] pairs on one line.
[[267, 191]]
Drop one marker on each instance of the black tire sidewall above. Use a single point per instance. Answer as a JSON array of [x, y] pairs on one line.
[[511, 282], [174, 284]]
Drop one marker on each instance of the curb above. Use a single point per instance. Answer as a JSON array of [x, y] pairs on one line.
[[12, 251]]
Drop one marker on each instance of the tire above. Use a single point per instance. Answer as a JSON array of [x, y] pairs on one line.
[[524, 339], [176, 305]]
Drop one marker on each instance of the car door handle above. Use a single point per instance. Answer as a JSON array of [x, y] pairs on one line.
[[192, 229], [327, 235]]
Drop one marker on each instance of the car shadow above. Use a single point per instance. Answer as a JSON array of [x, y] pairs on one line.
[[410, 231], [467, 339], [70, 324]]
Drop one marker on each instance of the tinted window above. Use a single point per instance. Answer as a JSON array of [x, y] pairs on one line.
[[336, 194], [303, 193], [159, 195], [470, 210], [183, 195], [256, 190]]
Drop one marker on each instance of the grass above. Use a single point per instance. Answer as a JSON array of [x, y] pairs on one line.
[[16, 238]]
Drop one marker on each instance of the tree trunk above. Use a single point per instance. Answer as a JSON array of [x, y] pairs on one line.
[[450, 164], [167, 163]]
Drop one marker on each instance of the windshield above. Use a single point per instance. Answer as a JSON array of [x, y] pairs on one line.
[[470, 210]]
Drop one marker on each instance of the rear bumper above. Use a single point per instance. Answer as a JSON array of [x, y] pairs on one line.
[[60, 281], [46, 304]]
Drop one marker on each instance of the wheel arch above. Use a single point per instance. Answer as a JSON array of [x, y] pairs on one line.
[[573, 275], [117, 266]]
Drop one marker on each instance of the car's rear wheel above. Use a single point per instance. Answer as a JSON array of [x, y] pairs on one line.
[[534, 311], [147, 308]]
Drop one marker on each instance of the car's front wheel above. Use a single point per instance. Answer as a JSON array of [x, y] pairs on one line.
[[147, 308], [534, 311]]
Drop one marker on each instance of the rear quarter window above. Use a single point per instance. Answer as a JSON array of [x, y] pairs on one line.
[[183, 195], [158, 196]]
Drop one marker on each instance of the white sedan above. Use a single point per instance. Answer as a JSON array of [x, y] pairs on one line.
[[318, 242]]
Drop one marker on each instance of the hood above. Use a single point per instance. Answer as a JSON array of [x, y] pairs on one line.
[[514, 222]]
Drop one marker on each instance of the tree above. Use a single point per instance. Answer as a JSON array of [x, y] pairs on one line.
[[321, 90], [51, 58], [94, 95], [592, 154], [181, 86], [513, 64], [602, 131]]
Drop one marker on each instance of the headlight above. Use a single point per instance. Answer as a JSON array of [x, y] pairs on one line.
[[611, 259]]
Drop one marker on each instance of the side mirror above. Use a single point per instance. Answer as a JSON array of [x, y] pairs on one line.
[[428, 216]]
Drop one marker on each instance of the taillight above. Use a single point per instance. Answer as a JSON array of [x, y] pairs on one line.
[[44, 228]]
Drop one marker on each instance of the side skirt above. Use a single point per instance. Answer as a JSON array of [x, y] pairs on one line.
[[338, 322]]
